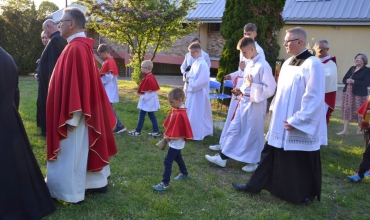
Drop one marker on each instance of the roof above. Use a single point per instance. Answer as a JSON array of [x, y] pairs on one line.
[[56, 16], [207, 11], [327, 12]]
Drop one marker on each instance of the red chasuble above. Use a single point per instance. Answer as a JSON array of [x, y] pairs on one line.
[[75, 85], [363, 112], [330, 96], [177, 125], [109, 65], [148, 84]]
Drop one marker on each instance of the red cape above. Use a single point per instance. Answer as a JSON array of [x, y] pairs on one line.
[[363, 112], [109, 65], [75, 85], [148, 84], [177, 125]]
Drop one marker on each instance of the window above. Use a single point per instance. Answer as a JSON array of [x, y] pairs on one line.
[[214, 27]]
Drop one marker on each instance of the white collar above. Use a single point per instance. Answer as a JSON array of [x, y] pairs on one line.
[[73, 36], [325, 58]]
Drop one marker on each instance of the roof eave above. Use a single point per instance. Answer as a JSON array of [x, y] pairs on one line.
[[343, 22], [206, 20]]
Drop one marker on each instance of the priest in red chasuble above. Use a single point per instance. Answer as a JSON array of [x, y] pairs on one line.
[[80, 119], [331, 73]]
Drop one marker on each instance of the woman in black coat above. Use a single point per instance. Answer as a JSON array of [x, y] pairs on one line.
[[356, 81]]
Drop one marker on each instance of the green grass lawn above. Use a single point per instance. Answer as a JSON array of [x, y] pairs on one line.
[[207, 194]]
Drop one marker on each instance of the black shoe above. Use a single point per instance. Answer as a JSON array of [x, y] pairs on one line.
[[240, 187], [96, 190], [306, 201]]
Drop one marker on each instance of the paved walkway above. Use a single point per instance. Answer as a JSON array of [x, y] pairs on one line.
[[176, 81]]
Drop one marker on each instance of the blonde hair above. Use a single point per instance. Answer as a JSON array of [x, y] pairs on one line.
[[148, 64]]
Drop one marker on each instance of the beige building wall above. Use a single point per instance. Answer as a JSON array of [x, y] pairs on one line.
[[344, 41]]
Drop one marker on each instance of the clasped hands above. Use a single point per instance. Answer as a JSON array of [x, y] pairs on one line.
[[350, 81]]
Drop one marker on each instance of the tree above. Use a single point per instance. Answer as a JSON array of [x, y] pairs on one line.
[[46, 8], [20, 33], [266, 15], [144, 25]]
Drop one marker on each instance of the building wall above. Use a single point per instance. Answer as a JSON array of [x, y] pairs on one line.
[[212, 43], [344, 42]]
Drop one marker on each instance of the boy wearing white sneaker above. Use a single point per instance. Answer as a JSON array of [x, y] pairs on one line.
[[250, 30], [108, 75], [178, 130], [148, 102], [244, 138]]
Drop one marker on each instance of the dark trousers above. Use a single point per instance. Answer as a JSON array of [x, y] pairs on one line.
[[152, 117], [173, 155], [289, 175], [119, 123], [365, 164]]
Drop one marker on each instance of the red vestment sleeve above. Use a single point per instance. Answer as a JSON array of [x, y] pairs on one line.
[[109, 65], [75, 85], [363, 112], [177, 125], [148, 84], [330, 101]]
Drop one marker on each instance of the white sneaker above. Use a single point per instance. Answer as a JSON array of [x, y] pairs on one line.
[[216, 160], [215, 147], [250, 168]]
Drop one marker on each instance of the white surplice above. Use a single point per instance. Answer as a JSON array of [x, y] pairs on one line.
[[244, 139], [237, 76], [149, 102], [197, 99], [67, 177], [299, 99], [331, 75], [111, 87]]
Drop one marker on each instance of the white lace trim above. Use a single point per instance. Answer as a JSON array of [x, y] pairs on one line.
[[306, 121], [294, 139]]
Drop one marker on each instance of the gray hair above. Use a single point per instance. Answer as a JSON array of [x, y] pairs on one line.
[[324, 42], [50, 22], [364, 58], [77, 15], [299, 32]]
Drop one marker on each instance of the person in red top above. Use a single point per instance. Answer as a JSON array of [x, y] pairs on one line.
[[178, 130], [108, 75], [80, 119], [148, 102]]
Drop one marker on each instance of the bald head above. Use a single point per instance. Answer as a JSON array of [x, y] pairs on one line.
[[50, 27]]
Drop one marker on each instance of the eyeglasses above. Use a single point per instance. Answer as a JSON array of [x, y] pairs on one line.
[[61, 21], [321, 50], [287, 41], [191, 52]]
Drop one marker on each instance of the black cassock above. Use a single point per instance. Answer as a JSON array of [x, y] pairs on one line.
[[45, 68], [289, 175], [23, 192]]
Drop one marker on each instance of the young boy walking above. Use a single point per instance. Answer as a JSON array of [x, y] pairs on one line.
[[148, 102], [178, 130], [109, 74]]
